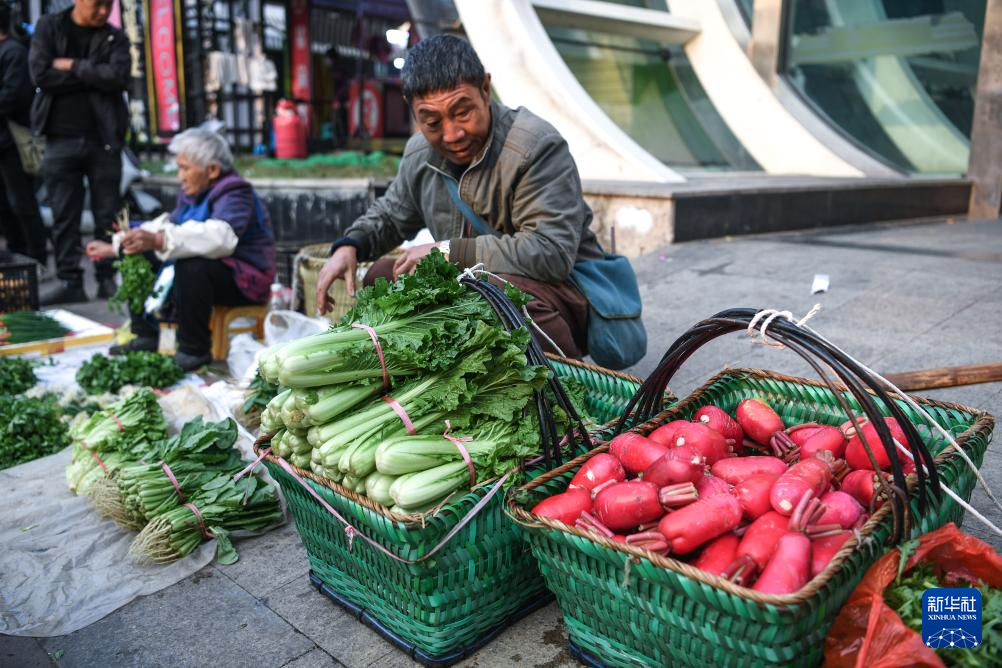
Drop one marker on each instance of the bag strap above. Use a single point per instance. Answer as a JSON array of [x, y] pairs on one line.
[[469, 214]]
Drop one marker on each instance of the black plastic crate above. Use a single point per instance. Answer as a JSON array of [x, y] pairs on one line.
[[18, 283]]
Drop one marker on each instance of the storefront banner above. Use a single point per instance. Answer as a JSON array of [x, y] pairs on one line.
[[165, 65], [299, 21]]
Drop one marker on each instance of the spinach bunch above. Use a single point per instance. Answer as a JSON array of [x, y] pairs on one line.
[[108, 374], [137, 284], [16, 375], [29, 428]]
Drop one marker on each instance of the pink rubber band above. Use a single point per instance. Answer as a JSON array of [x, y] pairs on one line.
[[173, 480], [351, 531], [253, 464], [121, 427], [201, 520], [379, 352], [458, 442], [401, 413], [98, 460]]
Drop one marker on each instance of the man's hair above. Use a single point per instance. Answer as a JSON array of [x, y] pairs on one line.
[[203, 147], [5, 12], [439, 63]]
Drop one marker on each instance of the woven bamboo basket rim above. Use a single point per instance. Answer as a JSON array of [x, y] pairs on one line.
[[983, 421], [315, 256], [417, 520]]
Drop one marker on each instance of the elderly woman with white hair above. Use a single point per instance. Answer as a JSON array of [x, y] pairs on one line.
[[219, 238]]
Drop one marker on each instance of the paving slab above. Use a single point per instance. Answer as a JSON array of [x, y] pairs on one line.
[[315, 658], [268, 562], [23, 653], [327, 624], [204, 620]]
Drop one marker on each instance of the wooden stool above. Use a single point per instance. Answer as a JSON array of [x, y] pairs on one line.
[[220, 321]]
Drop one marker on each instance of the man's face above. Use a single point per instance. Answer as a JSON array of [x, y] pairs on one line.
[[91, 13], [456, 122], [195, 179]]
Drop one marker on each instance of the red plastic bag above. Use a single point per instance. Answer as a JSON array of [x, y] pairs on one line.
[[869, 633]]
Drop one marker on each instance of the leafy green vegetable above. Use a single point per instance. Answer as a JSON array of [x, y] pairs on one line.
[[108, 374], [905, 597], [137, 284], [29, 428], [16, 375], [28, 326], [259, 393]]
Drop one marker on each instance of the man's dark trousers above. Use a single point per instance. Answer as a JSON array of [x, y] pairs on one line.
[[21, 222], [67, 161]]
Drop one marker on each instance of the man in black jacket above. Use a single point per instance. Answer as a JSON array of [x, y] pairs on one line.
[[81, 66], [19, 218]]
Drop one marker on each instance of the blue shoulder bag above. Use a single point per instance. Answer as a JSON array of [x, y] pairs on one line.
[[616, 335]]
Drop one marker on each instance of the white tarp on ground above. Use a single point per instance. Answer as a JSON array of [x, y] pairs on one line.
[[63, 566]]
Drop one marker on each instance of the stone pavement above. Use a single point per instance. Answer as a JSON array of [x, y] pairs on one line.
[[902, 297]]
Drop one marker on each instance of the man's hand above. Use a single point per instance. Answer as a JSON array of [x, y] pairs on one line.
[[63, 64], [100, 250], [342, 264], [410, 258], [139, 241]]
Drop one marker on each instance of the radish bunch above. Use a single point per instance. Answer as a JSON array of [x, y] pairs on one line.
[[743, 497]]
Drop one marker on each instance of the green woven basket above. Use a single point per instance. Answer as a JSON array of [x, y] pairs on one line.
[[472, 585], [629, 607]]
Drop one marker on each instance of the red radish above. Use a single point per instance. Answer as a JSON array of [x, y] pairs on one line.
[[807, 475], [823, 550], [697, 435], [756, 547], [717, 419], [799, 433], [681, 464], [843, 510], [736, 469], [753, 494], [636, 452], [855, 452], [709, 485], [597, 470], [789, 567], [758, 420], [626, 505], [700, 522], [862, 485], [665, 434], [565, 507], [824, 438], [718, 555]]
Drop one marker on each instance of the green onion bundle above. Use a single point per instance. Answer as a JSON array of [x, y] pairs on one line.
[[28, 326]]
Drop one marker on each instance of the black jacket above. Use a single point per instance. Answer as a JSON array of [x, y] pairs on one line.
[[104, 74], [16, 90]]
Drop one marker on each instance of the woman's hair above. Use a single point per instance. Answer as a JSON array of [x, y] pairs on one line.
[[203, 147]]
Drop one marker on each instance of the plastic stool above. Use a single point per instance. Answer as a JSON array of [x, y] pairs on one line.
[[220, 324]]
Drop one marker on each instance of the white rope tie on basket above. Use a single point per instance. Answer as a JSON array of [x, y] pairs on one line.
[[772, 314], [477, 270]]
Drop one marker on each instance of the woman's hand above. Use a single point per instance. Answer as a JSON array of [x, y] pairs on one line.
[[140, 241], [100, 250]]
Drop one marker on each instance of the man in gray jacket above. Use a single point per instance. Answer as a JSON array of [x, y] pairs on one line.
[[510, 170]]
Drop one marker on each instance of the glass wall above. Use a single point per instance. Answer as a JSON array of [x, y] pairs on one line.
[[897, 76], [650, 91]]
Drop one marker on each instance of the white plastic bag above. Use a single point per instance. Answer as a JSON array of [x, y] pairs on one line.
[[242, 358], [282, 326]]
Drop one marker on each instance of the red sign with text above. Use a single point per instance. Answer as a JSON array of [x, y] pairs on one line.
[[365, 111], [165, 65], [299, 21]]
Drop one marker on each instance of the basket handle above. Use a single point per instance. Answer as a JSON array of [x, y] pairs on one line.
[[818, 353]]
